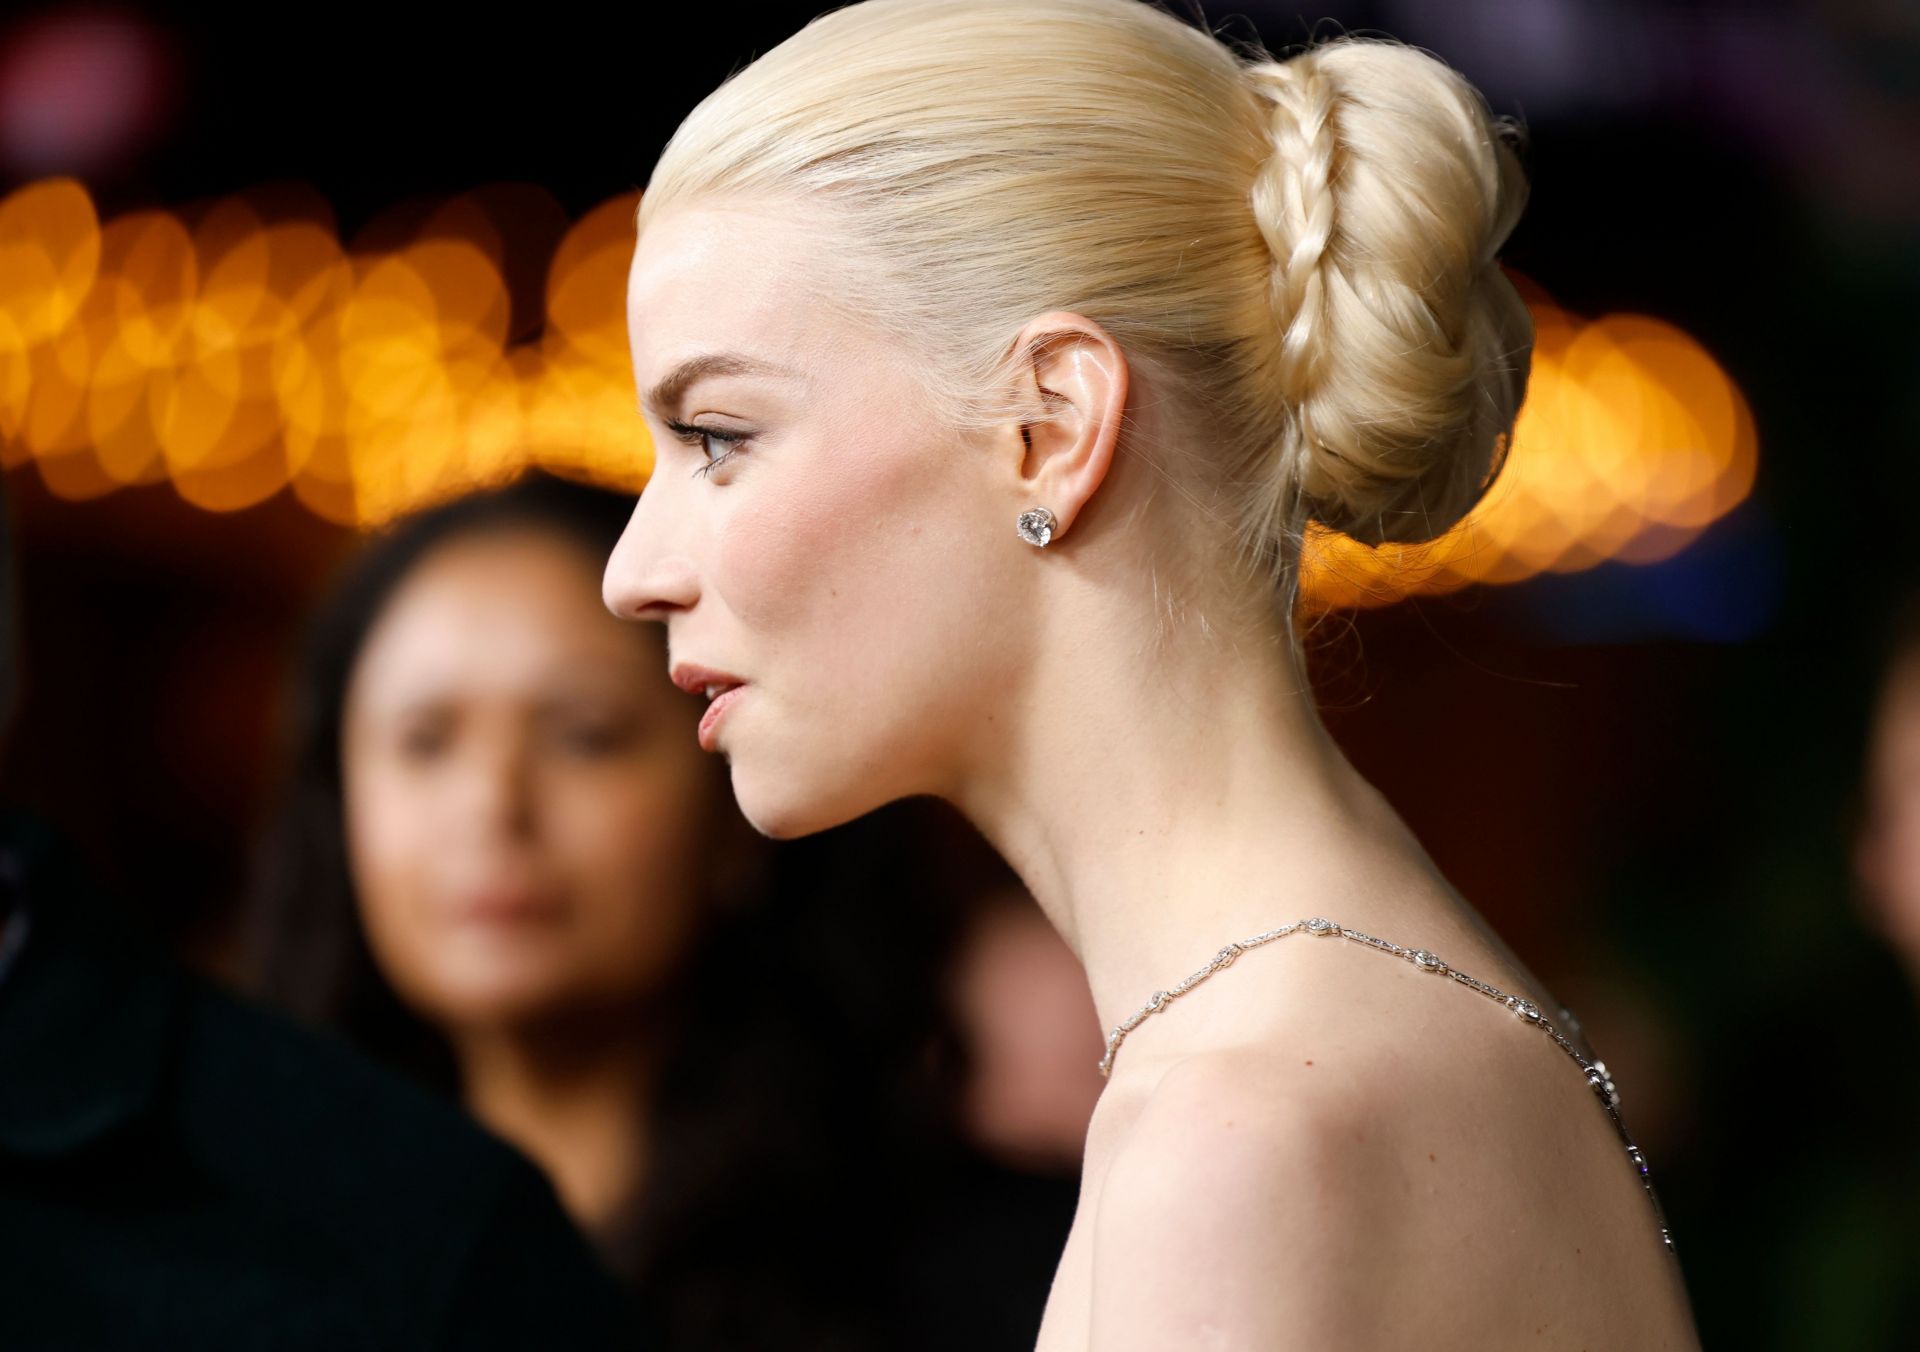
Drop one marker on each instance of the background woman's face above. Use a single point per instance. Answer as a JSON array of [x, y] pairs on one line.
[[1889, 852], [529, 821], [853, 562]]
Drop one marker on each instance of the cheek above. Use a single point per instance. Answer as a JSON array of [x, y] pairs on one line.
[[390, 857], [850, 564], [789, 554], [387, 845]]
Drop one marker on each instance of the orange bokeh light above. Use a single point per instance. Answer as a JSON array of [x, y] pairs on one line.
[[1631, 440]]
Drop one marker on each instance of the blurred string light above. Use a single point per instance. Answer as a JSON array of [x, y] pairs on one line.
[[1631, 442], [235, 356], [237, 353]]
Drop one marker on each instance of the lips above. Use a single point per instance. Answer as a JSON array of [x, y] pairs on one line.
[[704, 680], [710, 721], [507, 906], [722, 689]]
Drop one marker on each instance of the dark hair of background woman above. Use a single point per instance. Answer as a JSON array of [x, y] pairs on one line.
[[810, 1085]]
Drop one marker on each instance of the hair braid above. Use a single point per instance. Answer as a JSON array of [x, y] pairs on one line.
[[1294, 206]]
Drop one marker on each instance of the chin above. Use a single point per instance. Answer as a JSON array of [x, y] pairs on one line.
[[493, 1004], [787, 806]]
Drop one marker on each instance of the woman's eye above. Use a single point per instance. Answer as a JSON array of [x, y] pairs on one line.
[[422, 743], [706, 438], [595, 739]]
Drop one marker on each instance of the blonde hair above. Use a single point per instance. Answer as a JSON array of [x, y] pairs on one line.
[[1296, 255]]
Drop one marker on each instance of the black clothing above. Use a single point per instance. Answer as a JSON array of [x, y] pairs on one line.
[[178, 1169], [976, 1270]]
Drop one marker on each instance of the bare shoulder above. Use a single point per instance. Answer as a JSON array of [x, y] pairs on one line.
[[1422, 1173], [1245, 1208]]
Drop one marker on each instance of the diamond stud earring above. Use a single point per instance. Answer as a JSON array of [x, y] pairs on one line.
[[1036, 526]]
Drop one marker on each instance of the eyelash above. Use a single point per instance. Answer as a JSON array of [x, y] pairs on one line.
[[694, 436]]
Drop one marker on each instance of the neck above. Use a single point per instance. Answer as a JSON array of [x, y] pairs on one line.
[[575, 1099], [1159, 809]]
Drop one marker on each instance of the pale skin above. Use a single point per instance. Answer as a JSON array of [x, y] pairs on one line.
[[530, 830], [1322, 1148]]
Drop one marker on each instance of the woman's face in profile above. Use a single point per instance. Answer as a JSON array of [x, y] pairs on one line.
[[528, 818], [811, 529]]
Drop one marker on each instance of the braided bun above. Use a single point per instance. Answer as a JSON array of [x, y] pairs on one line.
[[1401, 350]]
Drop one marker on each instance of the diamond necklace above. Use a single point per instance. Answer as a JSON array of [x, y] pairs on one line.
[[1525, 1010], [1324, 928]]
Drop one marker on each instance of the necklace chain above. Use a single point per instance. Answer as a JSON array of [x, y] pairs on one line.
[[1525, 1010]]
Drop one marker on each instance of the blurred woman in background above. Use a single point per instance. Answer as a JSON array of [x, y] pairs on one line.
[[499, 855], [504, 864], [1026, 1019]]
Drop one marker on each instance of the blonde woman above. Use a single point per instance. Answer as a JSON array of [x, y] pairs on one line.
[[996, 356]]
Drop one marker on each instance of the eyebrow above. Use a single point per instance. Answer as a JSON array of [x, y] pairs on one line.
[[668, 389]]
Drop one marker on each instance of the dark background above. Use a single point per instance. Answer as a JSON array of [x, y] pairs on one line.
[[1645, 776]]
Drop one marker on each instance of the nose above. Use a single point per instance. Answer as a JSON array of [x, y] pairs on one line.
[[496, 795], [649, 576]]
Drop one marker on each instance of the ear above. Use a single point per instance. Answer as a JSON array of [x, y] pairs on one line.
[[1075, 370]]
